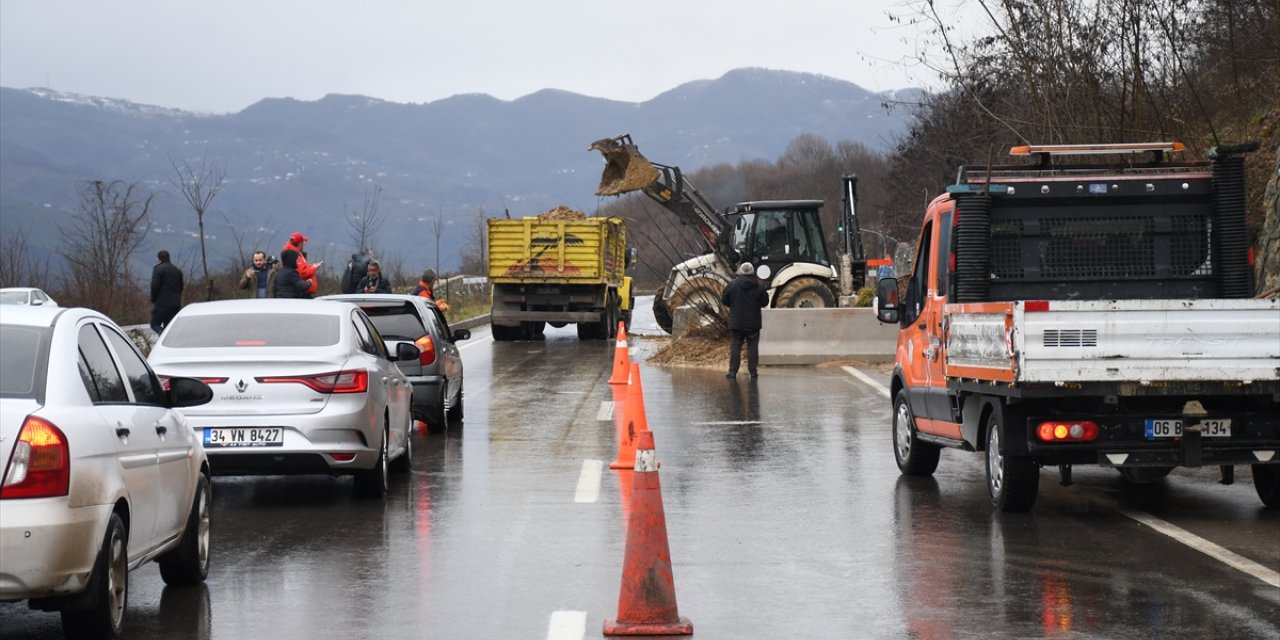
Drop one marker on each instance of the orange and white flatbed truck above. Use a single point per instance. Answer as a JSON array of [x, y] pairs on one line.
[[1063, 313]]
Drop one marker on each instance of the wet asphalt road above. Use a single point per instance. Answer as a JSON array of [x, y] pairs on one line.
[[787, 518]]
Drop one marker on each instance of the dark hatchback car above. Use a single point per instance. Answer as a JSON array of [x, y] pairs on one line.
[[437, 373]]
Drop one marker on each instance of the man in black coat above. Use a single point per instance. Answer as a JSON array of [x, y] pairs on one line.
[[744, 297], [166, 292], [289, 284]]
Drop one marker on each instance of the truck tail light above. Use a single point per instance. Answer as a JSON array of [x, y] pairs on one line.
[[40, 466], [1035, 305], [427, 350], [350, 381], [1067, 431]]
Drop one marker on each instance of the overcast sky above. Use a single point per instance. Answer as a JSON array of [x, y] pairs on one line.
[[223, 55]]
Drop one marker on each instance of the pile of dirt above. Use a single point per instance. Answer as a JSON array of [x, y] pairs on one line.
[[703, 347], [562, 213], [625, 169]]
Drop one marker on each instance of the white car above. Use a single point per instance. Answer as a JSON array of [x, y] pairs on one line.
[[26, 295], [300, 387], [100, 472]]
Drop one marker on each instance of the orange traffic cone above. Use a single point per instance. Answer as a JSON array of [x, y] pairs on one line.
[[647, 600], [620, 360], [633, 422]]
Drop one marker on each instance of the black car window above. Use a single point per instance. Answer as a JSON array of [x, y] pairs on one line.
[[440, 325], [364, 339], [258, 330], [375, 338], [396, 323], [101, 378], [23, 360], [146, 388]]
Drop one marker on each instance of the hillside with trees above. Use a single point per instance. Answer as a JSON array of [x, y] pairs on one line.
[[1046, 72]]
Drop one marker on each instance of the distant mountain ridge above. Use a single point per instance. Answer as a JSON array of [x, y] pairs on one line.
[[305, 165]]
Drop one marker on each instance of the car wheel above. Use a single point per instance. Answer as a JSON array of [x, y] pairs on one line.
[[437, 420], [372, 483], [1266, 481], [188, 563], [109, 588], [455, 411], [915, 458], [1012, 481], [404, 463]]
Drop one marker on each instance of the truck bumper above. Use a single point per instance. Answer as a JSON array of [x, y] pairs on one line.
[[514, 317]]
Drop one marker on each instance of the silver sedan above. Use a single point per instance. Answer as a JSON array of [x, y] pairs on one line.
[[100, 473], [300, 387]]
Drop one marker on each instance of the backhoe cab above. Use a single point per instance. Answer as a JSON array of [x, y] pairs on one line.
[[782, 239]]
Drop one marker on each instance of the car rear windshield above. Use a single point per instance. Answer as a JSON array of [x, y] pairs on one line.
[[23, 360], [396, 323], [253, 330]]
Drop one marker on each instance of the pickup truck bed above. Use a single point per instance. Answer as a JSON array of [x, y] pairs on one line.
[[1138, 341]]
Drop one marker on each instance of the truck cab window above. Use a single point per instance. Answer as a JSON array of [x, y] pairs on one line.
[[913, 303]]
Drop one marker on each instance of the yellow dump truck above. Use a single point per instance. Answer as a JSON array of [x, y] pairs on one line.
[[547, 270]]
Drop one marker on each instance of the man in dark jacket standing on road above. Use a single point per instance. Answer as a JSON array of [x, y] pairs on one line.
[[744, 297], [166, 292]]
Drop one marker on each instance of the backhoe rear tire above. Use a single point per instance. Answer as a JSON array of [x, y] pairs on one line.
[[805, 293]]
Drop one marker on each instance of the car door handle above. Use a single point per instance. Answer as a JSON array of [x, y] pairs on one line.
[[161, 429], [122, 432]]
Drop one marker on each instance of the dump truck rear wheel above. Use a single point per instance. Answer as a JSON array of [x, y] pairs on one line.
[[805, 293], [503, 333]]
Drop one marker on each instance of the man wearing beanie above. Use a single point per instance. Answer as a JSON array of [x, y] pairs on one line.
[[744, 298]]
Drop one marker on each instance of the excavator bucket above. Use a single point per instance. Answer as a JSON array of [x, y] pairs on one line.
[[625, 169]]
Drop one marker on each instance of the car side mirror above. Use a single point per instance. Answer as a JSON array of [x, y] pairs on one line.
[[461, 334], [886, 303], [406, 351], [188, 392]]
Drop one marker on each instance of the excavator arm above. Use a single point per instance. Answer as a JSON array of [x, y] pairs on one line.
[[626, 170]]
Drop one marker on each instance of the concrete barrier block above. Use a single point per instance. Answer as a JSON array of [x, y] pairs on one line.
[[810, 336], [684, 318]]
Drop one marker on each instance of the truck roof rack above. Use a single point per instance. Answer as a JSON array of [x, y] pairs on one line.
[[1047, 162], [1096, 149]]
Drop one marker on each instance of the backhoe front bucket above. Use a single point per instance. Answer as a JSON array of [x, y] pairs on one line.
[[625, 169]]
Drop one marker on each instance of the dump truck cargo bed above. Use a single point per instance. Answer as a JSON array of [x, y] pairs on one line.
[[535, 250]]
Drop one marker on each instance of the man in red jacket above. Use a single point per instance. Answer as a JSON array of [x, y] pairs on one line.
[[306, 271]]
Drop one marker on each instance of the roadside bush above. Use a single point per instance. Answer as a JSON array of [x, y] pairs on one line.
[[865, 296]]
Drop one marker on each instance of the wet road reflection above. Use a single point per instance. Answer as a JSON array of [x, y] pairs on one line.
[[786, 515]]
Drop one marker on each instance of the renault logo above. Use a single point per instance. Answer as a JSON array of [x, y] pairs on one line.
[[242, 385]]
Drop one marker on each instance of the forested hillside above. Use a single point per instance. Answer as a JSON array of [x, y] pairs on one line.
[[1042, 72]]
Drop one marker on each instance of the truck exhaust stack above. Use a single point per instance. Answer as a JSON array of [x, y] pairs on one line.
[[625, 169]]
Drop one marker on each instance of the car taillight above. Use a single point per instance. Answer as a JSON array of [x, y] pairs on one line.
[[164, 380], [353, 381], [1067, 431], [426, 350], [40, 466]]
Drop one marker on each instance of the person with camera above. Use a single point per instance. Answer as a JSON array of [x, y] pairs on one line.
[[373, 282], [260, 279]]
